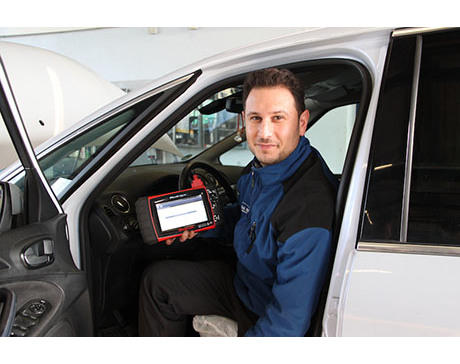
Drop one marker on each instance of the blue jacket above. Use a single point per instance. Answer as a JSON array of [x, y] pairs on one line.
[[282, 240]]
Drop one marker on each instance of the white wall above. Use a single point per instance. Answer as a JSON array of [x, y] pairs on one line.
[[127, 54]]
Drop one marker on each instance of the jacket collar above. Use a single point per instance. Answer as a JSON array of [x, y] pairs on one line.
[[277, 173]]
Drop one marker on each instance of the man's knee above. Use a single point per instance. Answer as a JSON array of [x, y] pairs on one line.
[[157, 288], [158, 314], [156, 276]]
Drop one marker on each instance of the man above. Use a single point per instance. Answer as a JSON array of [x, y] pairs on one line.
[[281, 225]]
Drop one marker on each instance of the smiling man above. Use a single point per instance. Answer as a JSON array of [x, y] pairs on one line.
[[288, 193], [281, 230]]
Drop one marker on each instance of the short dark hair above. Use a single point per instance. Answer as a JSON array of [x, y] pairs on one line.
[[274, 77]]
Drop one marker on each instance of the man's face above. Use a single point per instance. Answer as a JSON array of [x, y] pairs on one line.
[[273, 125]]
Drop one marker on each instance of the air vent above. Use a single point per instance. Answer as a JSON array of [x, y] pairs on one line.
[[109, 212], [3, 265], [120, 203]]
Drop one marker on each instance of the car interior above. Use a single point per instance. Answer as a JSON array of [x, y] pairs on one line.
[[207, 140]]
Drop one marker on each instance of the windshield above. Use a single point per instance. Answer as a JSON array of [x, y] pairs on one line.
[[64, 163], [204, 126], [73, 154]]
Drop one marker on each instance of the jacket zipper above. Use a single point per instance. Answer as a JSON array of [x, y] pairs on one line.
[[252, 231], [252, 236]]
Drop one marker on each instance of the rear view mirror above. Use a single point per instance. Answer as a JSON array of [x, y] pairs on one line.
[[10, 205], [234, 105]]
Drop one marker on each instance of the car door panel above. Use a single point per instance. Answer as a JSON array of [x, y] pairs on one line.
[[59, 283], [60, 308], [390, 294], [402, 276]]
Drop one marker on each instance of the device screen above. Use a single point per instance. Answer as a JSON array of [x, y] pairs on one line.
[[181, 212]]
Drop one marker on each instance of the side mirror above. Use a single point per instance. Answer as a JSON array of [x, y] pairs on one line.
[[11, 204]]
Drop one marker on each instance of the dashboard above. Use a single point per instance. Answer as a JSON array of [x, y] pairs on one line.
[[113, 220]]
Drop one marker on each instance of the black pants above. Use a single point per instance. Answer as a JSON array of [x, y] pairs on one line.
[[173, 289]]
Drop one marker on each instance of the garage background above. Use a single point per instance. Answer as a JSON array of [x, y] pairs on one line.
[[130, 57]]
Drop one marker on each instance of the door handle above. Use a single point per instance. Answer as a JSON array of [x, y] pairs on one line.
[[39, 254]]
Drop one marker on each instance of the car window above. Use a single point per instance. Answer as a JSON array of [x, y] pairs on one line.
[[331, 135], [434, 208], [7, 148], [64, 163], [79, 151], [204, 126], [240, 155], [382, 212], [415, 168]]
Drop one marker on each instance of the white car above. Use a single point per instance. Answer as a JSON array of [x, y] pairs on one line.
[[384, 114]]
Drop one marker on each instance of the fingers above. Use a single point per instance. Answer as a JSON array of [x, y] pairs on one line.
[[169, 241], [186, 235]]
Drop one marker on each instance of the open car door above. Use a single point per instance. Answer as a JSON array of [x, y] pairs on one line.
[[42, 293]]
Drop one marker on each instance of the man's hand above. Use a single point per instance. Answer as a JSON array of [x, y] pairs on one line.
[[186, 235]]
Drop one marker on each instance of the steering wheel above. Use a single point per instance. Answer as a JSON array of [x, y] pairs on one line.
[[187, 173]]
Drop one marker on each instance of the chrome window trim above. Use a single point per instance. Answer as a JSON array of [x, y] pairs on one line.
[[410, 141], [408, 248], [414, 31]]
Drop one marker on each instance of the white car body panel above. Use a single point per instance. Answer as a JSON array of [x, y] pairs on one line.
[[388, 294], [350, 223]]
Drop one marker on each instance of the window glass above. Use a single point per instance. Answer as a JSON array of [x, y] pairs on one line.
[[204, 126], [61, 166], [237, 156], [64, 163], [434, 209], [382, 210], [7, 149], [331, 135]]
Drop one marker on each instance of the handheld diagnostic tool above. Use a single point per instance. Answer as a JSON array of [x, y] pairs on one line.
[[166, 216]]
